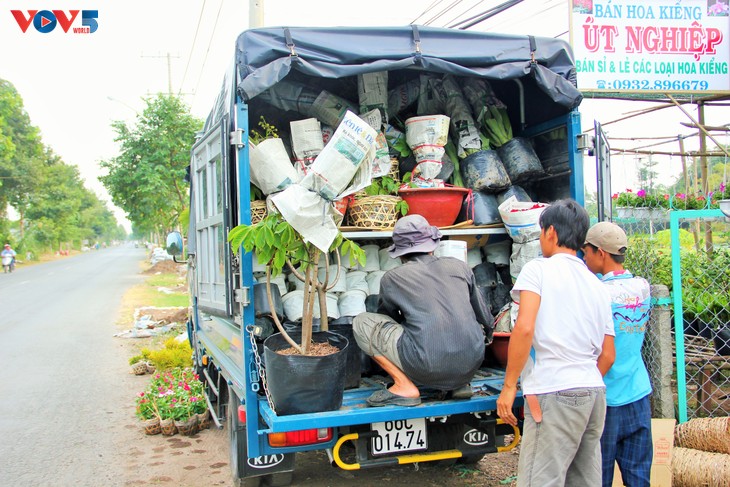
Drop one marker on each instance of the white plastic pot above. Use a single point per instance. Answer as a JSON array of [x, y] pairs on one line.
[[373, 279], [372, 262], [386, 261], [340, 285], [279, 281], [356, 281], [352, 303]]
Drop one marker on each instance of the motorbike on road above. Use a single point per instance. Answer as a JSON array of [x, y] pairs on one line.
[[8, 264]]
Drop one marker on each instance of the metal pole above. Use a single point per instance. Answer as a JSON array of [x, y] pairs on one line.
[[705, 178]]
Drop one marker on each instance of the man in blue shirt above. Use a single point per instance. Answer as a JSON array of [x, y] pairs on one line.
[[627, 431]]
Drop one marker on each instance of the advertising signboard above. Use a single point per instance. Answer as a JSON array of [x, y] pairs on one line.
[[663, 46]]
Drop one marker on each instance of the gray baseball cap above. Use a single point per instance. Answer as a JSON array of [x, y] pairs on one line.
[[609, 237], [413, 234]]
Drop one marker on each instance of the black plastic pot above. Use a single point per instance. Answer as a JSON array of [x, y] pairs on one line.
[[485, 274], [520, 160], [722, 341], [480, 207], [303, 383], [515, 191], [484, 171], [352, 371], [261, 301], [372, 302]]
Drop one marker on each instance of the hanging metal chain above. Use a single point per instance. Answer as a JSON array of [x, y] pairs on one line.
[[259, 366]]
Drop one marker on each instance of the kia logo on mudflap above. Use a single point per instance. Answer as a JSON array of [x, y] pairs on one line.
[[265, 461], [475, 437]]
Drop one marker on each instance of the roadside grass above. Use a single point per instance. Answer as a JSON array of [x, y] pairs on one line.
[[147, 293]]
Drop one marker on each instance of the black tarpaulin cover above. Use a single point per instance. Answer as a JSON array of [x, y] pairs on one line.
[[266, 56]]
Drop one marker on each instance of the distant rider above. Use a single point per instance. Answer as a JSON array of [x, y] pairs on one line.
[[9, 252]]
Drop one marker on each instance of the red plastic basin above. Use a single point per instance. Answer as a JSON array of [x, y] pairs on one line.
[[440, 206]]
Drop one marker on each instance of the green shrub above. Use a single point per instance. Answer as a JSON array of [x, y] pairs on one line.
[[173, 354]]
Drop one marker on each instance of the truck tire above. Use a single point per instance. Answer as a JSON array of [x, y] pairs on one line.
[[470, 459], [237, 436]]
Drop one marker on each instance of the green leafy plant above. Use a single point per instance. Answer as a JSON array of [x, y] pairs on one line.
[[497, 126], [388, 186], [268, 131], [277, 244]]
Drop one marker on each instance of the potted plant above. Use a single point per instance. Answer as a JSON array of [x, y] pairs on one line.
[[641, 205], [147, 412], [297, 355]]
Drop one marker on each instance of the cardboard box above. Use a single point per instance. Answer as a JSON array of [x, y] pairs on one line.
[[662, 436]]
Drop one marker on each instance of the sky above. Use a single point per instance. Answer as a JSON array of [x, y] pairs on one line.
[[73, 86]]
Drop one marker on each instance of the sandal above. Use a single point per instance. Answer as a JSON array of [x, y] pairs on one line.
[[384, 397]]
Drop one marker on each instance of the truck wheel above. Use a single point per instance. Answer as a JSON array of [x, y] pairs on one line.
[[470, 459], [237, 435], [283, 479]]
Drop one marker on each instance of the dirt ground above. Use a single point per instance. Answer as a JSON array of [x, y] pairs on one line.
[[202, 459]]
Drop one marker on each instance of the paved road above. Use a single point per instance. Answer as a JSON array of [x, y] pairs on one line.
[[61, 413]]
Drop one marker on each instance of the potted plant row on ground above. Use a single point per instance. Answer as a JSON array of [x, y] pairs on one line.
[[174, 401]]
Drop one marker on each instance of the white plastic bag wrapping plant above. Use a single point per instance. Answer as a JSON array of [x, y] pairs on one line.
[[426, 136], [307, 143], [271, 169], [521, 220], [480, 95]]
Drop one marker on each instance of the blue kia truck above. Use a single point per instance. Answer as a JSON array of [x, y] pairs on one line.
[[534, 77]]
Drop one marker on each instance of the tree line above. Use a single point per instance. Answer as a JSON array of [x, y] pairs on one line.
[[51, 208], [147, 179]]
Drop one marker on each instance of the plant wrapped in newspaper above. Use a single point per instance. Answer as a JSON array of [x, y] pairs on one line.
[[381, 163], [426, 136], [342, 168], [463, 127], [271, 169], [307, 143]]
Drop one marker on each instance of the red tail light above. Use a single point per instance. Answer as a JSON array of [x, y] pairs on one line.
[[303, 437]]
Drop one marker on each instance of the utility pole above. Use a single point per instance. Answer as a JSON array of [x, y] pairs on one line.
[[255, 13], [169, 69]]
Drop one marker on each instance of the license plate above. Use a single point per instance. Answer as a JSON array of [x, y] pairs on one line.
[[399, 436]]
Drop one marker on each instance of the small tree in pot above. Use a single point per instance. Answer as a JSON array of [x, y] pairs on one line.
[[278, 244], [312, 378]]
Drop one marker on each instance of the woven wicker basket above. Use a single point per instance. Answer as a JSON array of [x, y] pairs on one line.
[[258, 211], [394, 171], [374, 211]]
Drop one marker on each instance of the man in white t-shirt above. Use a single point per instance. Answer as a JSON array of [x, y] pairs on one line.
[[563, 325]]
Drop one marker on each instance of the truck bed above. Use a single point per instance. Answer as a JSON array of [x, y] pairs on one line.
[[486, 385]]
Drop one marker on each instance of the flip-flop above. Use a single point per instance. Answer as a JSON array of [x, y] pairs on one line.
[[384, 397]]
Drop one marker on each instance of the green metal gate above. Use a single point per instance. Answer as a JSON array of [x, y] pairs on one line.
[[701, 295]]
